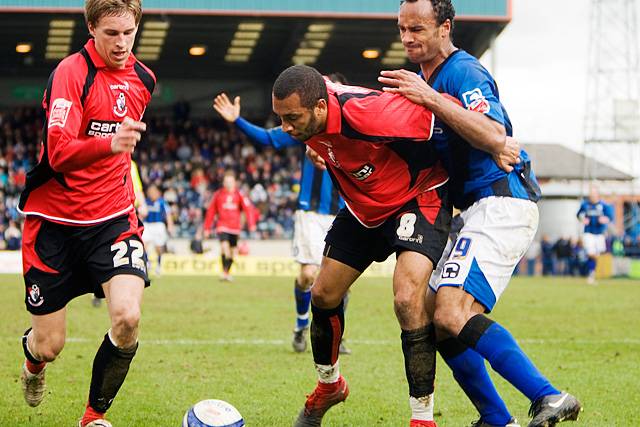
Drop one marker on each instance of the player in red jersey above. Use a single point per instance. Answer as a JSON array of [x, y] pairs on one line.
[[227, 204], [81, 233], [376, 149]]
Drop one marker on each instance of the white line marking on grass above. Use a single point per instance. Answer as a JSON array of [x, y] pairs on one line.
[[278, 342]]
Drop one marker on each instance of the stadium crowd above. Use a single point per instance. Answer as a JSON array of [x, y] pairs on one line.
[[187, 159]]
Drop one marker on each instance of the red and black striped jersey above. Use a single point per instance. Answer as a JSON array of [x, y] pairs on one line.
[[376, 149], [78, 180]]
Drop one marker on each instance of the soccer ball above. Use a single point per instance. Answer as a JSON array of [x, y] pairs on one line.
[[212, 413]]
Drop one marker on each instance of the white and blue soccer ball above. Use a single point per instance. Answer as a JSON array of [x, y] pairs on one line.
[[212, 413]]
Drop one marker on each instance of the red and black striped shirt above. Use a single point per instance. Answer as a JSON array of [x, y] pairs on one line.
[[78, 180]]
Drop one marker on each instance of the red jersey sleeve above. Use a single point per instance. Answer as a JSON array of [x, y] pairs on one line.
[[212, 211], [64, 111]]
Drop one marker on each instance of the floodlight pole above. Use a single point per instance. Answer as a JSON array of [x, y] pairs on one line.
[[612, 113]]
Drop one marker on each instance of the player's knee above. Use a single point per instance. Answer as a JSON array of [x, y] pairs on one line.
[[47, 348], [322, 297], [124, 323], [449, 320], [408, 304], [305, 281]]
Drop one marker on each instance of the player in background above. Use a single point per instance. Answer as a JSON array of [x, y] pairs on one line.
[[226, 206], [318, 203], [498, 219], [395, 189], [81, 233], [596, 216], [158, 225]]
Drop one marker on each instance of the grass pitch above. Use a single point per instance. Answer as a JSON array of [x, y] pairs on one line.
[[204, 339]]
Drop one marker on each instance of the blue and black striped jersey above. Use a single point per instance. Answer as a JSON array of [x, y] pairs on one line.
[[157, 211], [473, 173], [593, 212], [317, 192]]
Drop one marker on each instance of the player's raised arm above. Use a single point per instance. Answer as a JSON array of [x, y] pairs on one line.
[[274, 137]]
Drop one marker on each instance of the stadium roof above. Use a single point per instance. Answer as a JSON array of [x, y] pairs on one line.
[[555, 161], [342, 31]]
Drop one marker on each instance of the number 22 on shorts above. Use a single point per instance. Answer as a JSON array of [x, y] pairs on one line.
[[121, 258]]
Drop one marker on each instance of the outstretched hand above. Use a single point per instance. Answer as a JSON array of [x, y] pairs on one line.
[[229, 111]]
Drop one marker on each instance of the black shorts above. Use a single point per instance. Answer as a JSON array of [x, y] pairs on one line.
[[421, 225], [229, 237], [61, 262]]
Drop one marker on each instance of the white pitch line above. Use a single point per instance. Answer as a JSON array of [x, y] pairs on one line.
[[278, 342]]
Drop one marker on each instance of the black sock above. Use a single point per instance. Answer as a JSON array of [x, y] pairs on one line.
[[110, 368], [419, 349], [229, 262], [327, 327], [27, 353], [223, 258]]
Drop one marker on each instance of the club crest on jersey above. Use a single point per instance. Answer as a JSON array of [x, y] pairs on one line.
[[34, 298], [364, 172], [59, 112], [120, 109], [474, 100]]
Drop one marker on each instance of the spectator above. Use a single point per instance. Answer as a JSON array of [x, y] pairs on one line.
[[546, 248], [532, 255], [13, 236], [562, 250]]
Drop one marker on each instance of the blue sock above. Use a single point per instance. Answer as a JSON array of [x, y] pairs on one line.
[[470, 372], [591, 265], [498, 346], [303, 302]]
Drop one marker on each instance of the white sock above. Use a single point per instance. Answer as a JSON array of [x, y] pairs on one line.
[[421, 408], [328, 374]]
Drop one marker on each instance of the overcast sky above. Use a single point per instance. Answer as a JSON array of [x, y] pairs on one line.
[[541, 70]]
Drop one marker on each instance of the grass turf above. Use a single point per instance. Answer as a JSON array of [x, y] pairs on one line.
[[204, 339]]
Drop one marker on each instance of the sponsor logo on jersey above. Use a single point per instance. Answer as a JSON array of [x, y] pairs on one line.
[[418, 239], [102, 128], [474, 100], [364, 172], [124, 86], [450, 270], [59, 112], [332, 156], [326, 143], [34, 298], [120, 109]]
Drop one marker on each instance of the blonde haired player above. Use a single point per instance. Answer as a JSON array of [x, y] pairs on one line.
[[81, 233]]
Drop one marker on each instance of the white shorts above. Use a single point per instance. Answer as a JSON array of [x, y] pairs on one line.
[[594, 244], [309, 231], [155, 233], [487, 240]]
